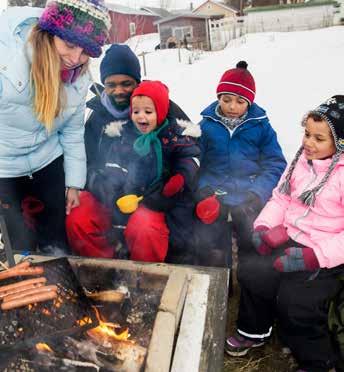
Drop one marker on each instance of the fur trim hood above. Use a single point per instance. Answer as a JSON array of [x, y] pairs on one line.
[[114, 128], [190, 129]]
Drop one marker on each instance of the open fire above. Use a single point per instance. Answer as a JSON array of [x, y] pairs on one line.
[[82, 329], [112, 315], [103, 348], [106, 331], [44, 348]]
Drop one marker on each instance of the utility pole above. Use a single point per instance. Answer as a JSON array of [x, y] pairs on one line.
[[143, 54]]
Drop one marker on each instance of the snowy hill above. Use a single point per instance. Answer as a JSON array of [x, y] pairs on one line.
[[294, 72], [143, 43]]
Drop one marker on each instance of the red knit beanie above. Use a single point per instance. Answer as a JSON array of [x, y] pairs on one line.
[[158, 93], [238, 81]]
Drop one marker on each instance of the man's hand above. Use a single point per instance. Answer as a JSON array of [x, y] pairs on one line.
[[72, 199]]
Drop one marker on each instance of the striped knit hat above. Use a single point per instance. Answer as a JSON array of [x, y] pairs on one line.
[[81, 22], [332, 112], [238, 81]]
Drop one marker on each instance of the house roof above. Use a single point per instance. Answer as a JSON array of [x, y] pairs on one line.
[[159, 12], [194, 16], [125, 10], [220, 3]]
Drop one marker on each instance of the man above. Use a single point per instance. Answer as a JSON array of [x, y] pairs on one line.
[[89, 226]]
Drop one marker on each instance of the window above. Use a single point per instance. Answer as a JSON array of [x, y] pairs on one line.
[[180, 32]]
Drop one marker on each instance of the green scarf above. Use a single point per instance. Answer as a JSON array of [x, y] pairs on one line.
[[142, 147]]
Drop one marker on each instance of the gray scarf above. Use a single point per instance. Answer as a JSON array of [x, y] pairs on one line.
[[117, 114], [231, 123]]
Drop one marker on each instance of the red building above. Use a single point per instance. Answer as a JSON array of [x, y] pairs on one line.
[[127, 22]]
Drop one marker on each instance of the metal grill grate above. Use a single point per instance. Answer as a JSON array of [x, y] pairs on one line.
[[22, 328]]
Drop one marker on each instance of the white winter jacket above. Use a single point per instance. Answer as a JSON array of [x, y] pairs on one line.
[[25, 145]]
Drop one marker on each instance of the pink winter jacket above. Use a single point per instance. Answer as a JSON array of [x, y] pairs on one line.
[[320, 227]]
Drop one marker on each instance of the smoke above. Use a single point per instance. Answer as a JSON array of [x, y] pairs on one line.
[[53, 250]]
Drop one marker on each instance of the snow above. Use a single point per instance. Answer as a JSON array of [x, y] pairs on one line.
[[294, 72], [145, 43]]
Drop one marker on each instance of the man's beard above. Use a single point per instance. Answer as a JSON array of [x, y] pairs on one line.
[[124, 104]]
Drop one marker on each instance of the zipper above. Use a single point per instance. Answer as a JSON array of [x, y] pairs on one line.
[[298, 219], [101, 138], [235, 129]]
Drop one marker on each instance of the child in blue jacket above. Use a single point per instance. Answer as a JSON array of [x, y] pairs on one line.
[[241, 161]]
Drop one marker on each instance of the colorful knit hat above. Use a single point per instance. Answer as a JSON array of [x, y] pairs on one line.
[[332, 112], [81, 22], [238, 81], [158, 93]]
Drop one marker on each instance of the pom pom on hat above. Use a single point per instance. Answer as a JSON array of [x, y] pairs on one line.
[[158, 93], [81, 22], [238, 81]]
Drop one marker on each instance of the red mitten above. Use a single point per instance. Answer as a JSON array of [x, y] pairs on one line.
[[31, 207], [276, 236], [208, 209], [258, 242], [297, 259], [173, 185]]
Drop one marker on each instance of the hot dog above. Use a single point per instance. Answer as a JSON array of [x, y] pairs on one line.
[[21, 271], [20, 289], [31, 291], [22, 265], [9, 287], [19, 302]]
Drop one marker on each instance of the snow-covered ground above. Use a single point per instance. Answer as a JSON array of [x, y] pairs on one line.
[[146, 43], [294, 72]]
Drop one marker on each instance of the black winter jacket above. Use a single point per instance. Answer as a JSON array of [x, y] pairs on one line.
[[124, 172], [96, 141]]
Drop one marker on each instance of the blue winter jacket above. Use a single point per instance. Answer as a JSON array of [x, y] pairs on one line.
[[25, 145], [248, 160]]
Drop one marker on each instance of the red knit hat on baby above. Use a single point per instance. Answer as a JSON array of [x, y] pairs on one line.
[[158, 93], [238, 81]]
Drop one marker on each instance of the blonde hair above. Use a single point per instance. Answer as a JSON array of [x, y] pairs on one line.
[[45, 78]]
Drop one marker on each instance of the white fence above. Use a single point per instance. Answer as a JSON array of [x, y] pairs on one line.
[[223, 31], [289, 19]]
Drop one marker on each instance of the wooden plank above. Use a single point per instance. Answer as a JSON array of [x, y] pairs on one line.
[[191, 330], [215, 327]]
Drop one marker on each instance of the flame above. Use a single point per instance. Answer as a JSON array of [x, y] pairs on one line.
[[43, 347], [106, 330], [46, 312], [84, 321]]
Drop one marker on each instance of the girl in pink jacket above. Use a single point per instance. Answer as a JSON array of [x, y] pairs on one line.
[[299, 239]]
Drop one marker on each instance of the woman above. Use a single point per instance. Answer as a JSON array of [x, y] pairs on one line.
[[43, 87]]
